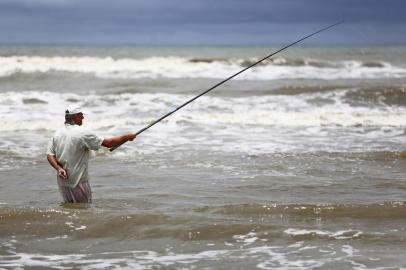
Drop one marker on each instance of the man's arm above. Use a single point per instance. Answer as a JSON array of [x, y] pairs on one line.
[[55, 164], [113, 141]]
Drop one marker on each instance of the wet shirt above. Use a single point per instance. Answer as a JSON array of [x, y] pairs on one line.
[[72, 145]]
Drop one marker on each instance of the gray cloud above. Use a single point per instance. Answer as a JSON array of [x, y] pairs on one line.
[[188, 21]]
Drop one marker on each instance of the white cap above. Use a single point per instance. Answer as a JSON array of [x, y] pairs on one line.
[[73, 109]]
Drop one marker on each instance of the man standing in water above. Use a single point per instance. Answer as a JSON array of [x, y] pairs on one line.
[[68, 153]]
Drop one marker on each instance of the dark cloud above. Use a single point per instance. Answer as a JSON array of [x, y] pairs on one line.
[[198, 21]]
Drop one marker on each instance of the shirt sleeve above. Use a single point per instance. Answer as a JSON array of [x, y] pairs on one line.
[[91, 141], [51, 148]]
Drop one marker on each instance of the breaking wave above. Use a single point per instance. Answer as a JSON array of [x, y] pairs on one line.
[[42, 110], [184, 67]]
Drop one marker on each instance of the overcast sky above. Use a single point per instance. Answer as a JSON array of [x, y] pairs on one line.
[[201, 21]]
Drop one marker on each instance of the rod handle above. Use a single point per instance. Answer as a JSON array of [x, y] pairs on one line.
[[115, 147]]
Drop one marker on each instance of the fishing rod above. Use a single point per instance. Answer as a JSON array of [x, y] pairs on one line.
[[229, 78]]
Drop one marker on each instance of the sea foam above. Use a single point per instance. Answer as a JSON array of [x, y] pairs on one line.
[[183, 67], [108, 112]]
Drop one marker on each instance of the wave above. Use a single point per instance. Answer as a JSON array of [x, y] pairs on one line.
[[393, 210], [139, 259], [292, 90], [65, 221], [86, 224], [184, 67], [275, 119], [42, 110], [259, 256], [380, 95], [295, 62], [377, 95], [291, 62], [91, 223]]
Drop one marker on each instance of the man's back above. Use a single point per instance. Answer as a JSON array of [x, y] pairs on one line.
[[70, 145]]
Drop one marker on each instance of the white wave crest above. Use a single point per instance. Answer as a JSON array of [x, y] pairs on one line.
[[342, 234], [45, 111], [183, 67]]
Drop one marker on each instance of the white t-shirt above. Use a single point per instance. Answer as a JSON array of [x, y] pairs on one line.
[[71, 145]]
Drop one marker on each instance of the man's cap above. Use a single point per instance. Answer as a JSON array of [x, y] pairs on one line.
[[73, 109]]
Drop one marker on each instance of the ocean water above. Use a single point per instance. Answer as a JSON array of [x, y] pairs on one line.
[[299, 163]]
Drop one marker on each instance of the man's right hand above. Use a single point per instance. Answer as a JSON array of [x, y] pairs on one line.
[[62, 173], [118, 140], [130, 136]]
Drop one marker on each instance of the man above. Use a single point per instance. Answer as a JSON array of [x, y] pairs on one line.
[[68, 153]]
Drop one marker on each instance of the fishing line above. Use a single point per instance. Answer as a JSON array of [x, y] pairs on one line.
[[229, 78]]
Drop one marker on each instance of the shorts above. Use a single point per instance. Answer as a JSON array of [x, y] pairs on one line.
[[79, 194]]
